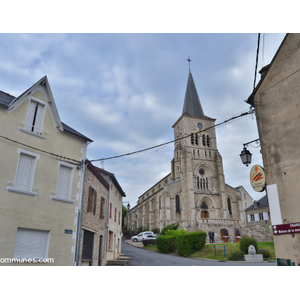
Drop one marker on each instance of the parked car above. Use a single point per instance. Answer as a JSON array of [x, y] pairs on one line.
[[149, 237], [139, 237]]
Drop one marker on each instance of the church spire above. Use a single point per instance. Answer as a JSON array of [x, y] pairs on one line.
[[192, 105]]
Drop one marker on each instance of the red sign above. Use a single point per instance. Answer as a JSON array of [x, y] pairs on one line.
[[286, 228]]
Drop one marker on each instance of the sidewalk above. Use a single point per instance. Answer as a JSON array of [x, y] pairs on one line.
[[135, 244]]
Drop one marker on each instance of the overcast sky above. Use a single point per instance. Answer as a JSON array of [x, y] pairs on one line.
[[125, 91]]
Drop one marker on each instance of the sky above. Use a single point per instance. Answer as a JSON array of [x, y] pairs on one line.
[[125, 91]]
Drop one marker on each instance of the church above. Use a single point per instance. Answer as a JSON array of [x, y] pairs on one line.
[[194, 194]]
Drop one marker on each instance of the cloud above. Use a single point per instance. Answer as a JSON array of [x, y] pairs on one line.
[[125, 91]]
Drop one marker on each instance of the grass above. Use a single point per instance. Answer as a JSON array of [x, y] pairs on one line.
[[209, 252]]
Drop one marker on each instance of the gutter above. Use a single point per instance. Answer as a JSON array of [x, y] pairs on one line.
[[80, 217]]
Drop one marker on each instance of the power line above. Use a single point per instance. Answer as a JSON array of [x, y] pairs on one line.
[[257, 53], [77, 162], [166, 143], [71, 160]]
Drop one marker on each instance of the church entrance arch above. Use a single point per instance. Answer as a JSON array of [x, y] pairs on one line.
[[205, 209]]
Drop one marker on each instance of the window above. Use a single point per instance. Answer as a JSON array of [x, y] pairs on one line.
[[177, 203], [207, 141], [110, 240], [31, 243], [24, 177], [88, 245], [34, 122], [202, 181], [192, 138], [92, 200], [115, 214], [252, 218], [119, 217], [261, 216], [203, 140], [196, 138], [229, 206], [64, 183], [110, 210]]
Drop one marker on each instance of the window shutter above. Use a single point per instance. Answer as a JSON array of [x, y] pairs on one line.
[[115, 214], [64, 182], [24, 175], [30, 116], [119, 217], [39, 118], [31, 243], [101, 208], [89, 208], [95, 202], [110, 210]]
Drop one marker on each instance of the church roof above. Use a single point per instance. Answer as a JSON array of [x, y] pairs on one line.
[[192, 105]]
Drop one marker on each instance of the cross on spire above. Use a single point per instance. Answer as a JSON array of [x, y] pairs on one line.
[[189, 60]]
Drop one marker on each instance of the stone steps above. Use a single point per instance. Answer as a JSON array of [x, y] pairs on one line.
[[121, 260]]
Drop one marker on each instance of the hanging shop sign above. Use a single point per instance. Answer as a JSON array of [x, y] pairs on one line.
[[258, 178]]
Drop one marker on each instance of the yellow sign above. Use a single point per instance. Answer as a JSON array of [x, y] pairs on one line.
[[258, 178]]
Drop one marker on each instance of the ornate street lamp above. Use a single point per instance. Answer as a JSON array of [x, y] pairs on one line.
[[128, 205], [246, 156]]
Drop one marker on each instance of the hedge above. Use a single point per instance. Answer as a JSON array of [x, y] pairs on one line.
[[186, 244], [165, 243], [149, 242]]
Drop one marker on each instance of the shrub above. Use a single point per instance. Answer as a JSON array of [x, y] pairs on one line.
[[165, 243], [266, 254], [149, 242], [236, 256], [171, 227], [245, 242], [175, 232], [188, 243]]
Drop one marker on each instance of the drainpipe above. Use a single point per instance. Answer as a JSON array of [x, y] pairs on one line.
[[80, 216], [107, 220]]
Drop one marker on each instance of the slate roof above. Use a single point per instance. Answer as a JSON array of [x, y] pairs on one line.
[[73, 131], [113, 178], [6, 99], [263, 202], [192, 105]]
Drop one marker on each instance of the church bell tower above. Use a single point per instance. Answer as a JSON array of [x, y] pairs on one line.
[[197, 163]]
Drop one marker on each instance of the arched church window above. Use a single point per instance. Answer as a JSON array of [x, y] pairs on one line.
[[192, 138], [177, 203], [207, 141], [202, 181], [203, 140], [229, 206], [196, 139]]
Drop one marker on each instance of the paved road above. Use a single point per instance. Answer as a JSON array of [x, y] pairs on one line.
[[142, 257]]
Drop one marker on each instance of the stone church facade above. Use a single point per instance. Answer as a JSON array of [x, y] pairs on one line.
[[194, 194]]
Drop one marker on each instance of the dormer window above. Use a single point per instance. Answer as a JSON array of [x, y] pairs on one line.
[[35, 119], [34, 122]]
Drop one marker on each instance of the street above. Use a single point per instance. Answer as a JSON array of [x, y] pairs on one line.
[[142, 257]]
